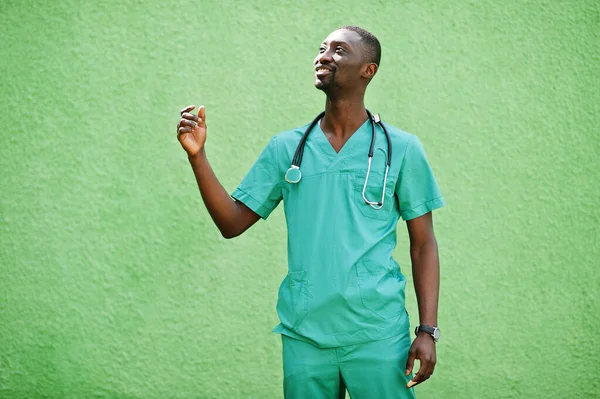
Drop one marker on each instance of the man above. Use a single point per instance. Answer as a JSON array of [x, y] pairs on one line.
[[343, 321]]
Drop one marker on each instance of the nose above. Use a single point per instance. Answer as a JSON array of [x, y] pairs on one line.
[[324, 58]]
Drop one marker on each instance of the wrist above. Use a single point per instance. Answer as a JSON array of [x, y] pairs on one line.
[[424, 334], [200, 155]]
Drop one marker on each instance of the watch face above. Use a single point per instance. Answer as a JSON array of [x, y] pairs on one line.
[[436, 334]]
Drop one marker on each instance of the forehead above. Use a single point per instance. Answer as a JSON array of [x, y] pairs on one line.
[[344, 36]]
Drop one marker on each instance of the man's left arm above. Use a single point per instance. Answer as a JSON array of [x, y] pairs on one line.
[[426, 276]]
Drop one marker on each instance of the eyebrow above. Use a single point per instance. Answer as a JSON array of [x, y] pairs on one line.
[[339, 43]]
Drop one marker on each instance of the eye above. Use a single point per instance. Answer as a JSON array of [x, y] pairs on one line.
[[321, 50], [339, 49]]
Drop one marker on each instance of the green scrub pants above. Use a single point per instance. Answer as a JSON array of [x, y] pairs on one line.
[[367, 371]]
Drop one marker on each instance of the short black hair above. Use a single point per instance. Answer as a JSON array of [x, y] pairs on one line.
[[371, 43]]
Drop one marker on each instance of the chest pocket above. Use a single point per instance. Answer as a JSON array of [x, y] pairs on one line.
[[374, 188], [373, 193]]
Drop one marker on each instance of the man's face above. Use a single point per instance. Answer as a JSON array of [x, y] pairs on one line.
[[340, 61]]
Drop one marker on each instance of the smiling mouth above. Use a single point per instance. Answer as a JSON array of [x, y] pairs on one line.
[[320, 71]]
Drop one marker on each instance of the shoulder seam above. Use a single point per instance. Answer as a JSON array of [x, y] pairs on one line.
[[410, 141]]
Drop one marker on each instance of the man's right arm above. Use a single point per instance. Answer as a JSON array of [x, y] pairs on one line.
[[231, 217]]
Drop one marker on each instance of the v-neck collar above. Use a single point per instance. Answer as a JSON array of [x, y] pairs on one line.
[[328, 149]]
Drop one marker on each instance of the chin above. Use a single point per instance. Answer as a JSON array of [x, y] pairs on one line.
[[319, 84]]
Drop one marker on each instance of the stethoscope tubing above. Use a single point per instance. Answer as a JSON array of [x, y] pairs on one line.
[[375, 120]]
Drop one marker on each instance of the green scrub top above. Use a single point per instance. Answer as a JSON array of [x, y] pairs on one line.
[[343, 287]]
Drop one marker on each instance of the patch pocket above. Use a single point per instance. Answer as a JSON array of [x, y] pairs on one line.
[[373, 193], [292, 302], [381, 287]]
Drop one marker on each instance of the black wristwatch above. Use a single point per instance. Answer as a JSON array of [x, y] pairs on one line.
[[433, 331]]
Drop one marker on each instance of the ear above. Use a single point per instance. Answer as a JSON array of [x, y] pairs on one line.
[[370, 70]]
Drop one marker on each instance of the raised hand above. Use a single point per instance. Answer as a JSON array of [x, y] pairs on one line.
[[191, 130]]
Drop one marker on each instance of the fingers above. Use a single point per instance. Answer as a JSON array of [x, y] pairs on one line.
[[425, 371], [412, 354], [187, 109], [189, 116], [183, 130], [189, 121], [418, 378]]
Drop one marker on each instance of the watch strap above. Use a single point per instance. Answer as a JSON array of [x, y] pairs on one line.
[[426, 329], [433, 331]]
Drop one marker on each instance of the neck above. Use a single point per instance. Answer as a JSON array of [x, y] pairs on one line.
[[343, 116]]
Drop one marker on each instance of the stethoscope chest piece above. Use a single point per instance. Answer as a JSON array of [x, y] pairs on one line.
[[293, 174]]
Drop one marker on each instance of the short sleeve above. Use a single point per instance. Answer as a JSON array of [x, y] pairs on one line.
[[260, 189], [416, 188]]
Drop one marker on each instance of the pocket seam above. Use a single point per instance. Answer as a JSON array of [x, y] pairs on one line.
[[377, 214], [361, 277], [298, 278]]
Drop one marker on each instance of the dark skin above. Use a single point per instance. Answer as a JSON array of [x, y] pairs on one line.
[[342, 72]]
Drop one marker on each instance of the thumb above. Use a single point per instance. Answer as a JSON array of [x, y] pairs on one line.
[[202, 112], [410, 362]]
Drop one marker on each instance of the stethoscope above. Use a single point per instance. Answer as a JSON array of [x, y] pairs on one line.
[[293, 174]]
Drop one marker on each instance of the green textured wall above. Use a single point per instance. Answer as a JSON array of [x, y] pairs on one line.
[[116, 284]]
